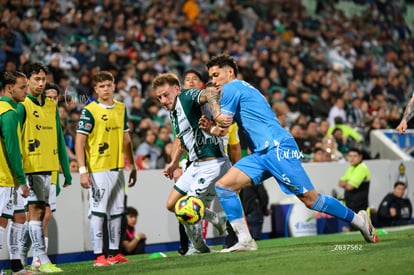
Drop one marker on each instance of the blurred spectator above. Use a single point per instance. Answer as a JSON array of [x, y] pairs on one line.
[[11, 46], [148, 147], [394, 209], [322, 105], [337, 110]]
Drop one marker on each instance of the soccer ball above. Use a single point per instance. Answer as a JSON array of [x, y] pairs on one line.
[[189, 210]]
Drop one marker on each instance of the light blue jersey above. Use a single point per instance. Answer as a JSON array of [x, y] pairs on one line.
[[274, 151], [250, 109]]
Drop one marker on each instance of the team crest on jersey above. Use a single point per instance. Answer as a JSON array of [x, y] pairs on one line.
[[179, 111]]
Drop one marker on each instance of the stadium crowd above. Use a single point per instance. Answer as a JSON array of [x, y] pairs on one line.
[[330, 79]]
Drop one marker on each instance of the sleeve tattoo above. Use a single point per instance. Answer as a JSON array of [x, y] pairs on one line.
[[409, 110]]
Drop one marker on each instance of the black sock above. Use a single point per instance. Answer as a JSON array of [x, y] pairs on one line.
[[113, 252], [98, 255], [16, 265]]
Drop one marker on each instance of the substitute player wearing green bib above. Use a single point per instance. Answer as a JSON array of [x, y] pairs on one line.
[[102, 139]]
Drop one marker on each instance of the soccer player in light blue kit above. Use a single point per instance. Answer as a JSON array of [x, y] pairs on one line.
[[274, 152]]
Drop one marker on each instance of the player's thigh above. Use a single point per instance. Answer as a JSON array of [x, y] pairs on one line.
[[116, 201], [99, 193], [173, 197]]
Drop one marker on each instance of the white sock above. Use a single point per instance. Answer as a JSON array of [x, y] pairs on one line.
[[97, 233], [25, 243], [46, 243], [114, 233], [13, 240], [242, 230], [194, 235], [38, 244], [359, 222], [2, 230]]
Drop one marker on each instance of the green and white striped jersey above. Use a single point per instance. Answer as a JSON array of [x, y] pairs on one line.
[[184, 118]]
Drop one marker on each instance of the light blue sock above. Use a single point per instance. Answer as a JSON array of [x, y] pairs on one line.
[[333, 207], [230, 202]]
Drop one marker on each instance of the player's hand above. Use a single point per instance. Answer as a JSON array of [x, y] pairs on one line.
[[223, 120], [85, 181], [67, 183], [24, 190], [402, 127], [132, 177], [205, 123], [169, 170]]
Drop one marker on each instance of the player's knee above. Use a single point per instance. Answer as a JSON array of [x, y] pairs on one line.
[[170, 206], [309, 198]]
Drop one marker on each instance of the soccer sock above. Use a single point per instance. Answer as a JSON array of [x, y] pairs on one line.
[[36, 234], [114, 232], [25, 243], [241, 229], [15, 232], [230, 202], [194, 234], [332, 206], [359, 222], [97, 233], [46, 243]]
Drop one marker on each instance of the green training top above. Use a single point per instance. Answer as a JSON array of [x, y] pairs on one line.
[[63, 156], [9, 123]]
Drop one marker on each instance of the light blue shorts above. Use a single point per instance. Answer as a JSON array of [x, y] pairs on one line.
[[282, 162]]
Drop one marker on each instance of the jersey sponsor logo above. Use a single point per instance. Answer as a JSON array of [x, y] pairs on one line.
[[102, 147], [288, 154], [112, 128], [33, 144], [40, 127]]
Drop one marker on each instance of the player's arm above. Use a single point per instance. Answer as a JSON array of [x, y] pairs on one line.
[[80, 141], [211, 96], [408, 114], [9, 122], [177, 153], [129, 152], [62, 153], [209, 126], [130, 157]]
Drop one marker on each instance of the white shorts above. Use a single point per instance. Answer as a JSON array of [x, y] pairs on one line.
[[39, 184], [107, 195], [52, 197], [19, 202], [7, 202], [200, 177]]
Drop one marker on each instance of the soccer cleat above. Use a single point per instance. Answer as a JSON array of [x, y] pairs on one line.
[[370, 234], [181, 251], [49, 268], [192, 250], [240, 247], [221, 225], [22, 272], [118, 258], [35, 265], [101, 261]]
